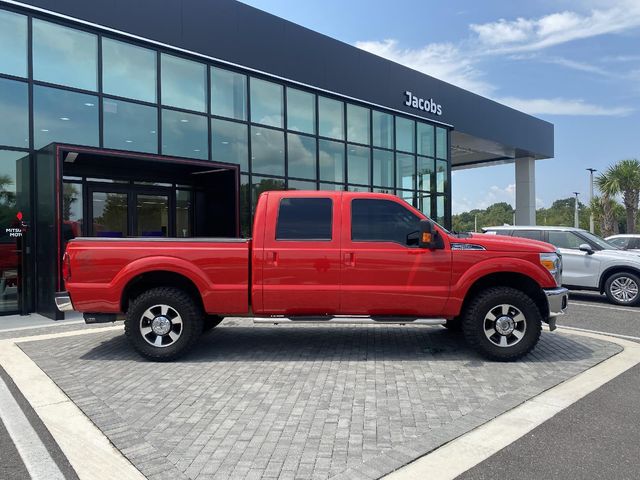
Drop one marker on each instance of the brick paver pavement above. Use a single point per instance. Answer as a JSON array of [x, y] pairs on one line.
[[335, 401]]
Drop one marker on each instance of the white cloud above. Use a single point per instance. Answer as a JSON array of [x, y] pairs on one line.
[[563, 106], [444, 61], [526, 34]]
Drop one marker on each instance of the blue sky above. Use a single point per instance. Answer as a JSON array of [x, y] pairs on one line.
[[573, 63]]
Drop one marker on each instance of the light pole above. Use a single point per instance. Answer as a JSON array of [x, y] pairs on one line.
[[576, 222], [591, 170]]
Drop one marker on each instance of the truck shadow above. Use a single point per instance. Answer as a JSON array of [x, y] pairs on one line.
[[229, 343]]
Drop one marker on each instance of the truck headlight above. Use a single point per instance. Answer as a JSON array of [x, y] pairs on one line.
[[553, 263]]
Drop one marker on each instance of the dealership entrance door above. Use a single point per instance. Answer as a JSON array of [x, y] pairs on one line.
[[88, 192], [138, 211]]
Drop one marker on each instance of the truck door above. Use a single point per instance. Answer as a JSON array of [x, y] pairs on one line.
[[301, 262], [384, 271]]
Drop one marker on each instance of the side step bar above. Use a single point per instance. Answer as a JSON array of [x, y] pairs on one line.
[[357, 320]]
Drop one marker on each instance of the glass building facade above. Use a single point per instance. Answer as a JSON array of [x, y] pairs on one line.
[[70, 83]]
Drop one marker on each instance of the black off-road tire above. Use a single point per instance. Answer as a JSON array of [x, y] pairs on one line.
[[484, 305], [454, 324], [626, 280], [210, 322], [178, 302]]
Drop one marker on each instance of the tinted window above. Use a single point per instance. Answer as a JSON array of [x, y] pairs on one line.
[[331, 118], [304, 219], [358, 165], [382, 221], [184, 134], [228, 94], [65, 56], [357, 124], [301, 111], [531, 234], [14, 105], [382, 130], [183, 83], [634, 243], [302, 156], [229, 143], [13, 38], [267, 103], [129, 126], [565, 240], [128, 70]]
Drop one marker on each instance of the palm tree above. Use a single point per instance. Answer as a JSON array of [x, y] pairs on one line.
[[604, 213], [623, 178]]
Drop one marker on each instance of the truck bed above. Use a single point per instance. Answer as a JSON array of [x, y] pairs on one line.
[[103, 267]]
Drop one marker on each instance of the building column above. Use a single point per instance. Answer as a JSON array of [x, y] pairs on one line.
[[525, 191]]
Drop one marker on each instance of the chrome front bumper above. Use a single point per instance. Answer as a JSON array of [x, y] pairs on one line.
[[63, 301], [557, 299]]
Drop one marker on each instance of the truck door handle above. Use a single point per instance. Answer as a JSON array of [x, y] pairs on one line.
[[350, 259], [273, 258]]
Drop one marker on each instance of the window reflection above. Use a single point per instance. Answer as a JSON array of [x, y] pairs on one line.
[[301, 185], [267, 103], [63, 116], [301, 111], [405, 166], [405, 135], [424, 203], [440, 206], [267, 151], [382, 129], [229, 143], [383, 168], [14, 121], [184, 134], [302, 156], [330, 118], [425, 139], [441, 143], [128, 70], [129, 126], [71, 211], [357, 124], [441, 176], [228, 94], [183, 214], [13, 39], [425, 173], [358, 165], [64, 55], [183, 83], [331, 159], [262, 184]]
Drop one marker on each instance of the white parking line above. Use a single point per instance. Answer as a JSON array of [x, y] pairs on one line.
[[477, 445], [606, 307], [33, 452]]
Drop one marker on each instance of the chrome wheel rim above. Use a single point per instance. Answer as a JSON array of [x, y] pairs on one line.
[[504, 325], [624, 289], [161, 325]]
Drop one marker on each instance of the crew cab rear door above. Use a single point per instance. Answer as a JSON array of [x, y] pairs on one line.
[[384, 271], [301, 266]]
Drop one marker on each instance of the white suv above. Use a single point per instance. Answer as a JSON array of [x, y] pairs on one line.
[[589, 262]]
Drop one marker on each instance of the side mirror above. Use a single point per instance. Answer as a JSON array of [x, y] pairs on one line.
[[428, 235], [585, 247]]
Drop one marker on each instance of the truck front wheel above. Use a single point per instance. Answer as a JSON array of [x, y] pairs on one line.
[[163, 323], [502, 323]]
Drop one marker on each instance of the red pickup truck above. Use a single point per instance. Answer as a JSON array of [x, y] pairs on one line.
[[320, 256]]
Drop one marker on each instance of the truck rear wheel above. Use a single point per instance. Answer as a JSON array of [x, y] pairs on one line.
[[163, 323], [502, 323]]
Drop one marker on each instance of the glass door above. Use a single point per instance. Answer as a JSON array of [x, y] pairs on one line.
[[109, 214], [152, 215]]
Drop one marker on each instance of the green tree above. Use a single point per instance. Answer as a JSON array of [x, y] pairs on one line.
[[623, 178]]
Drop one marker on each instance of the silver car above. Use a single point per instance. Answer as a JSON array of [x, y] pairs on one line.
[[625, 241], [589, 262]]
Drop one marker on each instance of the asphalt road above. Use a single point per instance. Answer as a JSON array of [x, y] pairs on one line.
[[595, 438]]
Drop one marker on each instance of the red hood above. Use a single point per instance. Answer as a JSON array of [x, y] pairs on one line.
[[502, 243]]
